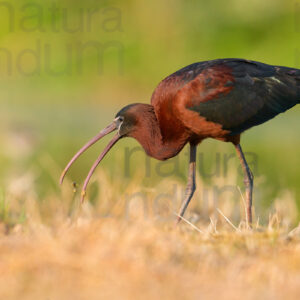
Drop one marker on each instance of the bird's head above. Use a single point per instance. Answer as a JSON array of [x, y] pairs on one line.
[[126, 123], [127, 118]]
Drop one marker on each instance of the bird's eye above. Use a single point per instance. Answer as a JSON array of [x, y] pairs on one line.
[[121, 118]]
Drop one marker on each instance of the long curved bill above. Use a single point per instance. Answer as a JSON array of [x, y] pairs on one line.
[[113, 126], [96, 163]]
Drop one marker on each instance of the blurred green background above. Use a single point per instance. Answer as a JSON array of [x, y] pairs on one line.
[[67, 67]]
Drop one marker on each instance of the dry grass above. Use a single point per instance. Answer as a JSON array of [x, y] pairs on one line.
[[60, 253]]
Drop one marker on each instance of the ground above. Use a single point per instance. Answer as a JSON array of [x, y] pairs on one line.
[[57, 254], [109, 259]]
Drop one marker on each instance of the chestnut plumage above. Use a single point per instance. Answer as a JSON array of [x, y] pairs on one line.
[[217, 99]]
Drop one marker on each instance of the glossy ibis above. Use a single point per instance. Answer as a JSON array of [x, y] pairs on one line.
[[217, 99]]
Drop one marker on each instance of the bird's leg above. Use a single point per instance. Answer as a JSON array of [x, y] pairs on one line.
[[248, 183], [191, 185]]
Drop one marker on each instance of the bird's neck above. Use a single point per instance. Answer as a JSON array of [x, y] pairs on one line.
[[149, 135]]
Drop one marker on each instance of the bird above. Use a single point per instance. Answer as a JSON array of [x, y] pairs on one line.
[[218, 99]]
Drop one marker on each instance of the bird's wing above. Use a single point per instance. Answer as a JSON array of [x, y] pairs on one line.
[[235, 94]]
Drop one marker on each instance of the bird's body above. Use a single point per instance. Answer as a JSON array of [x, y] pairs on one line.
[[217, 99], [222, 98]]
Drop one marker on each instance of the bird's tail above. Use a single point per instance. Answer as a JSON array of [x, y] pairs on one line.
[[297, 79], [298, 84], [295, 73], [291, 78]]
